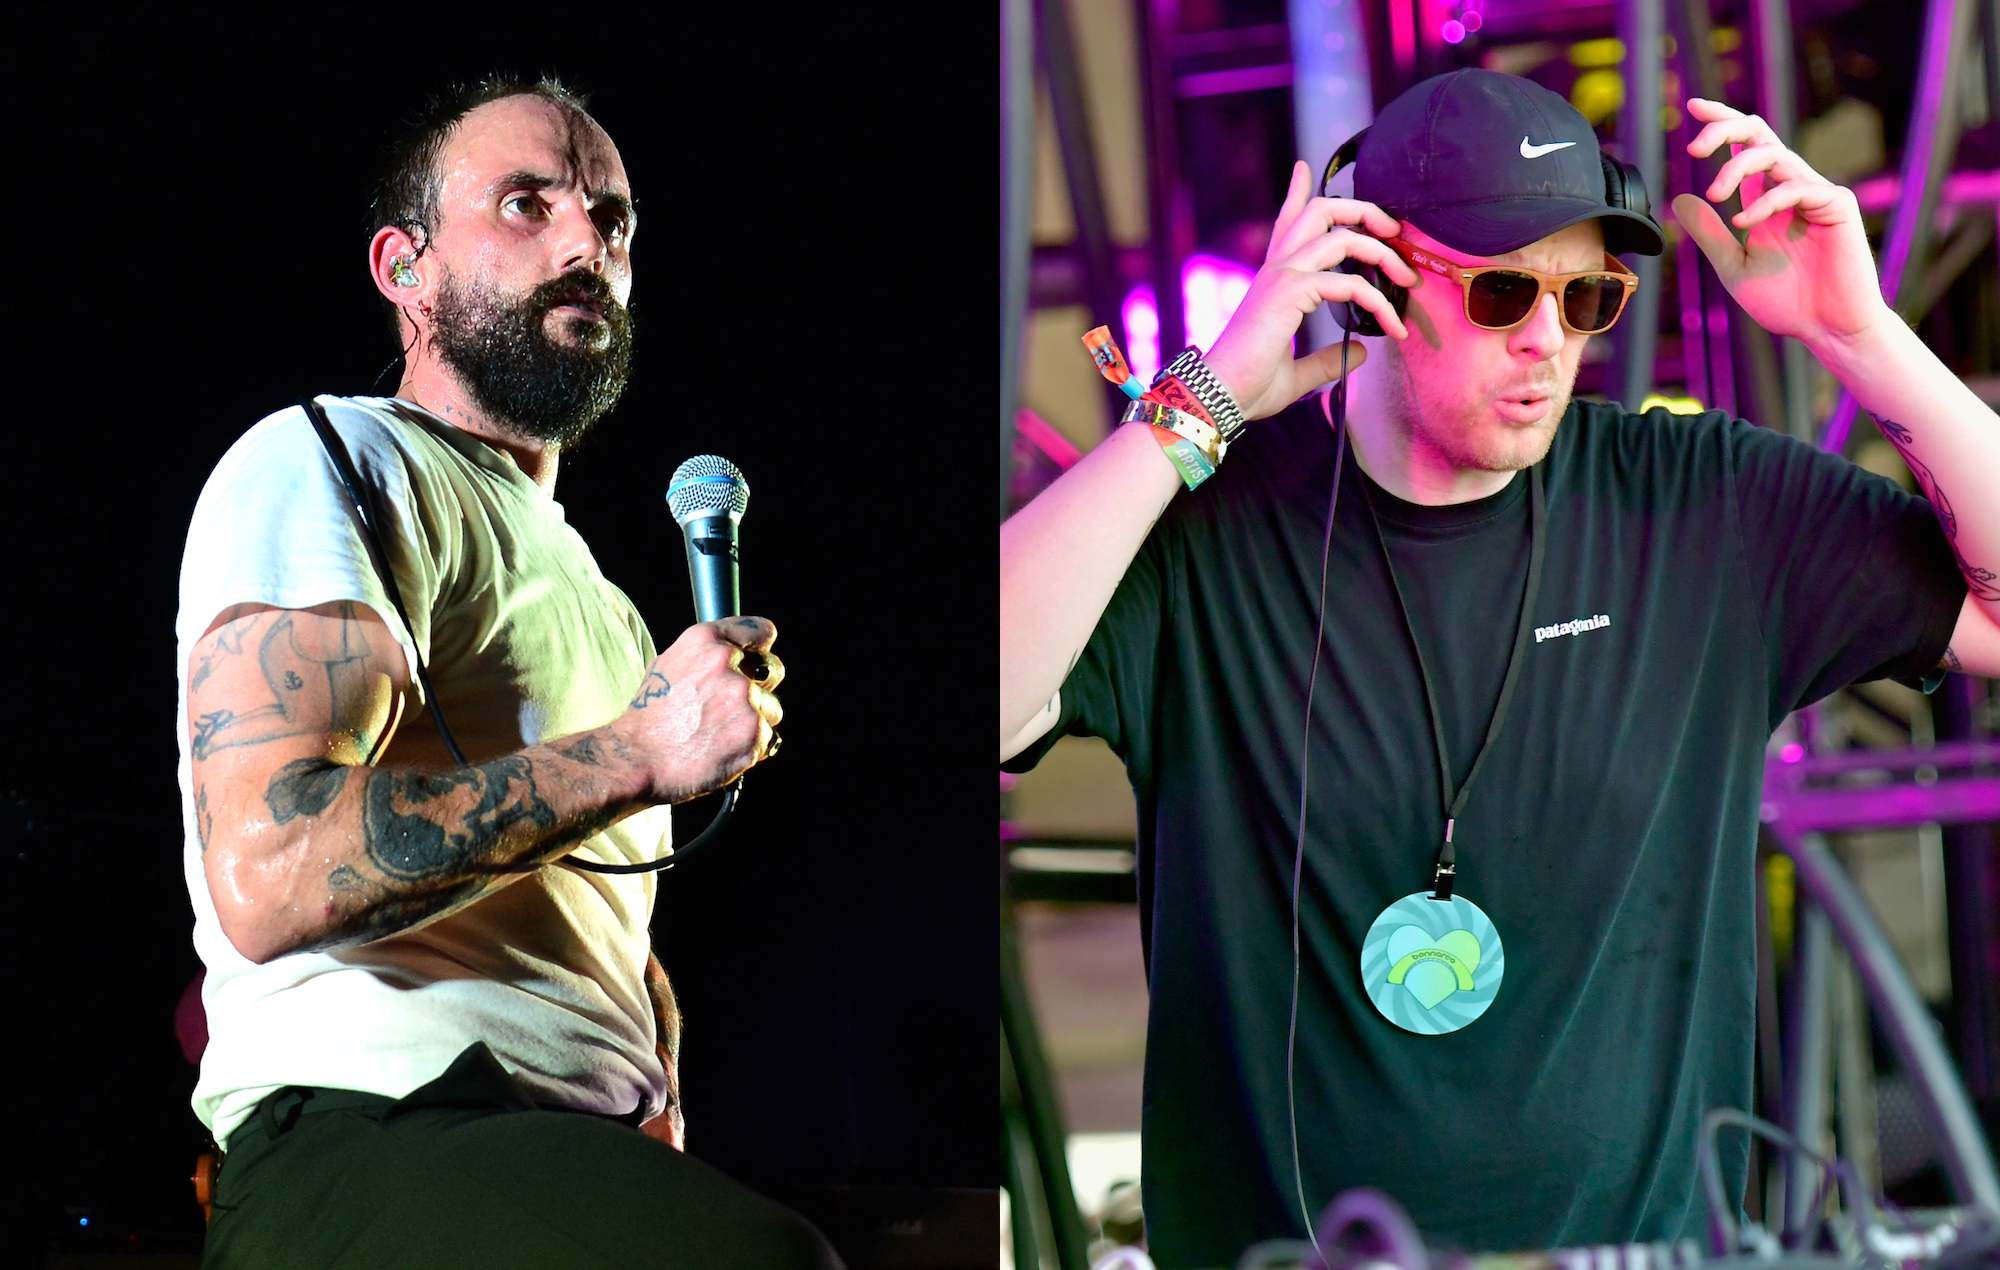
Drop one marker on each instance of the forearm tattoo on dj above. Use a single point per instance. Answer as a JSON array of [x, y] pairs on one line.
[[1982, 582]]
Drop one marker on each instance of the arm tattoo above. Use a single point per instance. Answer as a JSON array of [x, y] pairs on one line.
[[1896, 432], [653, 689], [204, 819], [310, 691], [304, 788], [228, 643], [430, 858], [409, 839], [1982, 582], [388, 911], [590, 751]]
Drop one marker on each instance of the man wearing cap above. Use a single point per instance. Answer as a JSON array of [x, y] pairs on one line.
[[1481, 681]]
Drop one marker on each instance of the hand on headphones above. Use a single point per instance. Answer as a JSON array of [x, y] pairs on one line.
[[1804, 268], [1253, 356]]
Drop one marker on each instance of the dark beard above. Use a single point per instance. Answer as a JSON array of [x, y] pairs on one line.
[[527, 382]]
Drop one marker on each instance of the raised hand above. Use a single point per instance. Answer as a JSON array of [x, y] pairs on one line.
[[1253, 355], [1804, 268]]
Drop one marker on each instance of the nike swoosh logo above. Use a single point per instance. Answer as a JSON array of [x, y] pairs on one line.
[[1536, 152]]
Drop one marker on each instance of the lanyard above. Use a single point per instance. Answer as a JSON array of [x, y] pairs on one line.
[[1454, 801]]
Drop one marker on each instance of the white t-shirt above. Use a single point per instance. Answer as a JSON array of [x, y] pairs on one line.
[[525, 640]]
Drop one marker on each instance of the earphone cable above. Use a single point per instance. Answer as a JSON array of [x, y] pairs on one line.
[[1305, 753]]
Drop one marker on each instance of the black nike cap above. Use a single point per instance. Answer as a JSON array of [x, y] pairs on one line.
[[1489, 163]]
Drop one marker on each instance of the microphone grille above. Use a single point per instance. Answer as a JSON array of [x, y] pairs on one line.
[[707, 483]]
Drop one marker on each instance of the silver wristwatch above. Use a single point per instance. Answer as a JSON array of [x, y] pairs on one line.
[[1201, 381]]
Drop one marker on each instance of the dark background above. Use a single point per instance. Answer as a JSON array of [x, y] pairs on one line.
[[813, 299]]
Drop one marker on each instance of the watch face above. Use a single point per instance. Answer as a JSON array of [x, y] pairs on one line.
[[1432, 966]]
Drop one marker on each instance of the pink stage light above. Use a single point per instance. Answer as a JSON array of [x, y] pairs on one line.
[[1452, 31], [1141, 312], [1211, 288], [1792, 752]]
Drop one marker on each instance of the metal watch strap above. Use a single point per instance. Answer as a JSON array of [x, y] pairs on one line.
[[1201, 381], [1180, 423]]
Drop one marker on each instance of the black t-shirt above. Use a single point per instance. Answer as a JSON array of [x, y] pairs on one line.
[[1610, 836]]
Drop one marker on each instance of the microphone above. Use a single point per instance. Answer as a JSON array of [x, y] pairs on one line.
[[707, 496]]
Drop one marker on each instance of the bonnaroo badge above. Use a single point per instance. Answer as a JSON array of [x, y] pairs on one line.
[[1432, 966]]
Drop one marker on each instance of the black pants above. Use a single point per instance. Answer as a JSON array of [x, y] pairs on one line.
[[468, 1172]]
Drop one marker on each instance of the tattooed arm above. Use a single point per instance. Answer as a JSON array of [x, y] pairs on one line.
[[1951, 441], [1803, 268], [307, 844], [1975, 641]]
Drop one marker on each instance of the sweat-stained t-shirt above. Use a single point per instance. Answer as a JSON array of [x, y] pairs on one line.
[[525, 641], [1704, 577]]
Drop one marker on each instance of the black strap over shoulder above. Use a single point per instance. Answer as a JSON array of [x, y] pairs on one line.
[[366, 511]]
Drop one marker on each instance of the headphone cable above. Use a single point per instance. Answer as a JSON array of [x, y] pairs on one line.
[[1305, 753]]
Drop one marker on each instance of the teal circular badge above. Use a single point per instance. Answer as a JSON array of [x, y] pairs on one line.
[[1432, 966]]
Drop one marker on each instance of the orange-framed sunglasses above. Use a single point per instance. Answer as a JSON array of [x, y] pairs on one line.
[[1501, 297]]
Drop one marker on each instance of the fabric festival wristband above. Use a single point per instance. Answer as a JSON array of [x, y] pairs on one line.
[[1188, 460], [1181, 423], [1171, 389]]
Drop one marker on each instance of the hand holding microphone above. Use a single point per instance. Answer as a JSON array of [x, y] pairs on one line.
[[708, 497], [706, 711]]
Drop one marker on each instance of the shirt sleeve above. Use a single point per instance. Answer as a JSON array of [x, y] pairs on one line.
[[275, 526], [1852, 576], [1109, 692]]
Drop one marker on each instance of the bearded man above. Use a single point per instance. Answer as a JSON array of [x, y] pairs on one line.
[[1447, 726], [434, 1043]]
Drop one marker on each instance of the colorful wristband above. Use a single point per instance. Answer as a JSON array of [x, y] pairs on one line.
[[1188, 460], [1111, 362], [1182, 424], [1172, 390]]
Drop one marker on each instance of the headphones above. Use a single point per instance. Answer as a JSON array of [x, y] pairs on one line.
[[1624, 188], [400, 271]]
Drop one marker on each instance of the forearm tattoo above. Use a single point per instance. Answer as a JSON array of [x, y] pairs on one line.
[[1981, 581], [411, 837], [429, 847]]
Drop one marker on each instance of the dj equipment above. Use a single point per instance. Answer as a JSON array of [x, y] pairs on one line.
[[1365, 1229]]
